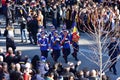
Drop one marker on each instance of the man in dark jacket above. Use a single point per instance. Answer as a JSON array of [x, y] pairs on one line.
[[34, 29], [113, 53]]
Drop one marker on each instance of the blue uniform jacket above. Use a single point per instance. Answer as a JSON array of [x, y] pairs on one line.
[[43, 43], [66, 41], [55, 43]]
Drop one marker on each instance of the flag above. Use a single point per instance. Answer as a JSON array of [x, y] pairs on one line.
[[75, 33]]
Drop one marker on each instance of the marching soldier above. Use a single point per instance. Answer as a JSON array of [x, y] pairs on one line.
[[56, 46], [40, 31], [43, 43], [75, 49], [66, 45], [74, 39], [51, 33]]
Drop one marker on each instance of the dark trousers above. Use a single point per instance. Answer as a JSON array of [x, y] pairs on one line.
[[35, 37], [113, 62], [44, 53], [10, 43], [55, 55], [54, 21], [44, 22], [30, 38], [68, 24], [75, 50], [66, 52]]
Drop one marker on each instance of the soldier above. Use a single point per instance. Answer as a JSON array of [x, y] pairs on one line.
[[43, 43], [55, 45], [66, 44], [75, 38], [40, 31], [75, 49], [34, 29], [23, 30]]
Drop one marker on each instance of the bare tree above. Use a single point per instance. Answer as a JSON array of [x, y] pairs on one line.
[[101, 33]]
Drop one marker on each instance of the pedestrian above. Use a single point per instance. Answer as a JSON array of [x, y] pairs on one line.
[[9, 34], [54, 16], [43, 43], [68, 17], [2, 53], [113, 53], [43, 66], [29, 28], [34, 29], [56, 46], [23, 29], [44, 12], [66, 72], [17, 74], [9, 56], [5, 73], [40, 18], [49, 76], [65, 44], [93, 75], [37, 76]]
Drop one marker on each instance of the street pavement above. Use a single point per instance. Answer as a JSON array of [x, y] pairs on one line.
[[84, 44]]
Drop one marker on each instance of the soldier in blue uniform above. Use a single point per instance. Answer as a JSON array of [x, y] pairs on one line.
[[40, 30], [66, 44], [43, 43], [56, 46]]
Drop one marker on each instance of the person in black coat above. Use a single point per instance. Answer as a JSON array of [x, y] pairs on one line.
[[29, 28], [113, 53], [34, 29], [44, 12], [34, 61]]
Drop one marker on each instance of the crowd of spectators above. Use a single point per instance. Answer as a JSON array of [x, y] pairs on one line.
[[16, 67]]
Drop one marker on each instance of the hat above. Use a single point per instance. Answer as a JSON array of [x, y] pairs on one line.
[[65, 30], [43, 59], [55, 31]]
